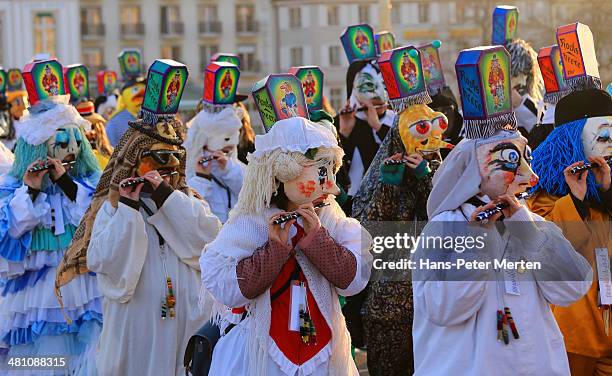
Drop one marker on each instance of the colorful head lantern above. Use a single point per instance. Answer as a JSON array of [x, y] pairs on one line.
[[312, 83], [15, 80], [76, 80], [278, 97], [432, 67], [551, 66], [221, 83], [505, 22], [358, 42], [577, 49], [402, 72], [3, 81], [227, 58], [130, 64], [385, 41], [43, 79], [107, 82], [483, 76]]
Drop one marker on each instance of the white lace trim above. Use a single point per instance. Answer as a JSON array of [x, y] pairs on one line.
[[290, 368]]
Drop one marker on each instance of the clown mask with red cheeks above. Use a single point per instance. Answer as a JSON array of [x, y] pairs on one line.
[[315, 183], [505, 166]]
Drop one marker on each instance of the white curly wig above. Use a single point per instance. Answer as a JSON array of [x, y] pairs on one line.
[[525, 61]]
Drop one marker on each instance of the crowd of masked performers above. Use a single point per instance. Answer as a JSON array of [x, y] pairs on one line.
[[132, 243]]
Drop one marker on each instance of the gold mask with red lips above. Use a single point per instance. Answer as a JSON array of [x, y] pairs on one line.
[[421, 130]]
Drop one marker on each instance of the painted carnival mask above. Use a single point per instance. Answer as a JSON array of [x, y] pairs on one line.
[[316, 182], [369, 87], [597, 136], [65, 144], [133, 97], [224, 140], [421, 130], [161, 156], [505, 167]]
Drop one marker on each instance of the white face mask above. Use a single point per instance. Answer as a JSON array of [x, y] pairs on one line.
[[65, 142], [368, 86], [597, 137], [315, 183], [225, 141]]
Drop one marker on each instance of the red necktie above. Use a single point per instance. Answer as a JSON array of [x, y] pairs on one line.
[[298, 236]]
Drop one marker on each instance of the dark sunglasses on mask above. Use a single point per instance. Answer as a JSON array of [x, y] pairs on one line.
[[162, 156]]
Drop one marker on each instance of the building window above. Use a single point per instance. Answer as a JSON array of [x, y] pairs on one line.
[[364, 13], [245, 19], [248, 58], [333, 16], [423, 13], [171, 52], [206, 52], [44, 34], [208, 17], [93, 58], [296, 56], [334, 56], [91, 21], [335, 98], [131, 20], [295, 17], [171, 20], [396, 12]]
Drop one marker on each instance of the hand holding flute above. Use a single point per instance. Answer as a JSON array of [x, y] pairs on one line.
[[130, 182], [295, 214], [589, 166], [36, 171], [491, 210]]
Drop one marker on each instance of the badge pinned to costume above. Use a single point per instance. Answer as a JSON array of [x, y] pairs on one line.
[[227, 58], [107, 82], [432, 67], [577, 49], [3, 81], [483, 77], [358, 43], [15, 80], [297, 298], [165, 85], [402, 72], [43, 79], [130, 64], [551, 66], [385, 41], [220, 83], [505, 23], [312, 83], [76, 80], [278, 97]]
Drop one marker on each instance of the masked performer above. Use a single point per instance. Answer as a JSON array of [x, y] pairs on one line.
[[397, 193], [96, 134], [143, 242], [40, 211], [213, 168], [580, 202], [460, 308], [131, 97], [286, 277], [364, 121]]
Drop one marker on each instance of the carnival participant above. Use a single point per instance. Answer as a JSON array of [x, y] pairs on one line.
[[459, 308], [42, 200], [106, 101], [213, 135], [142, 236], [365, 120], [396, 192], [131, 97], [574, 192], [296, 252], [17, 101]]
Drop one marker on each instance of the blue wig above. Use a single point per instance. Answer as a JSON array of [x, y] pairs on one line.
[[26, 154], [562, 147]]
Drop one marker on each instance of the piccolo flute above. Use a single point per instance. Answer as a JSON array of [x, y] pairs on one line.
[[295, 215], [359, 109], [486, 214], [47, 165], [589, 166], [210, 158], [139, 180]]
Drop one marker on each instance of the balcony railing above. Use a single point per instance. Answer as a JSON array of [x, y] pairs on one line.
[[92, 30], [210, 27], [132, 30], [247, 26], [172, 28]]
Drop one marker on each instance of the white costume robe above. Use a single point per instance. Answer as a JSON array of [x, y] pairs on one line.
[[249, 341], [454, 330], [125, 253]]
